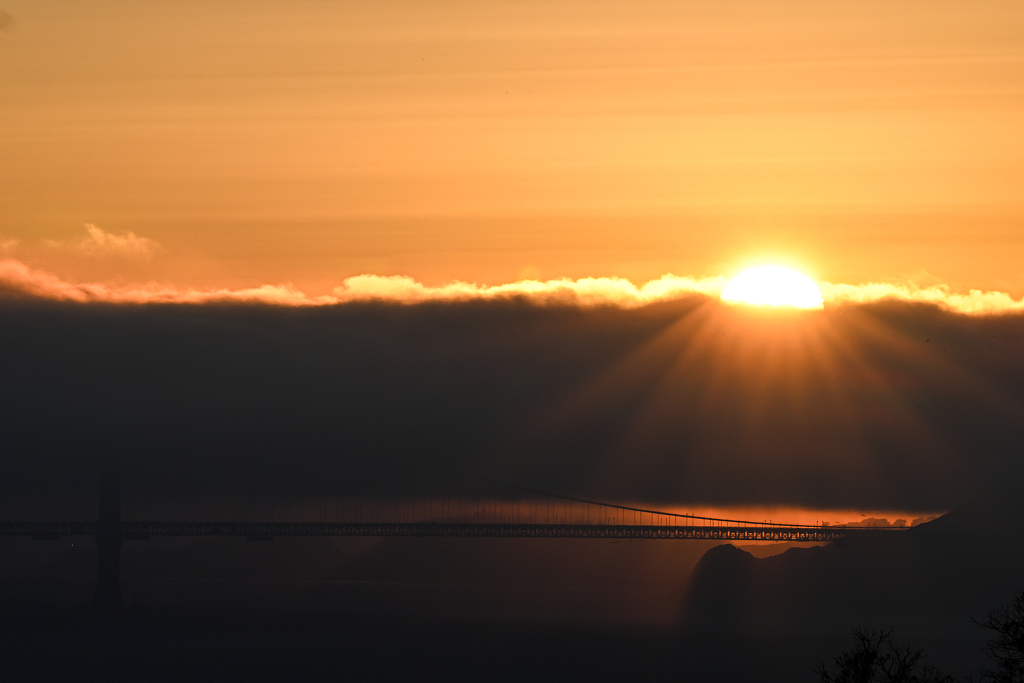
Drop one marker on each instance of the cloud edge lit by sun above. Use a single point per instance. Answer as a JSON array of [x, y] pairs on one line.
[[22, 279]]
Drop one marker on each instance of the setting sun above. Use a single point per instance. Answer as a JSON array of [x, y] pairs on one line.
[[773, 286]]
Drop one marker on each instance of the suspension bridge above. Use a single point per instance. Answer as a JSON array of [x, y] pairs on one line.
[[510, 512], [506, 512]]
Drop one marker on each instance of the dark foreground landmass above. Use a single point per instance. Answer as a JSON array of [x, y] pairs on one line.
[[503, 609], [931, 584], [371, 610], [64, 644]]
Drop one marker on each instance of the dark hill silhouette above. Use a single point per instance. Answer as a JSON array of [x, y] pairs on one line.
[[927, 582]]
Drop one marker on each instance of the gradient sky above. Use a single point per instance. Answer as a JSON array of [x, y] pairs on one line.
[[361, 155], [238, 144]]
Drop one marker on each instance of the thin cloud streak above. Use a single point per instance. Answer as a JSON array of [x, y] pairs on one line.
[[975, 302], [584, 292], [18, 277], [99, 242]]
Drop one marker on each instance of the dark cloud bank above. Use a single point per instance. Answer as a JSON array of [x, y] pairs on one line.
[[682, 402]]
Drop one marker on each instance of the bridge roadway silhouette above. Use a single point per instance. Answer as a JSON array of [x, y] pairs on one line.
[[267, 530], [540, 515], [549, 516]]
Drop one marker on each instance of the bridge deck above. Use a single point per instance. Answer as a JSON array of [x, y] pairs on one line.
[[266, 530]]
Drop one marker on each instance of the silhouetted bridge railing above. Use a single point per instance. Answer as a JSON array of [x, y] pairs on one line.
[[539, 515], [134, 530], [530, 518]]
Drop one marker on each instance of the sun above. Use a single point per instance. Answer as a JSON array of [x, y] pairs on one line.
[[773, 286]]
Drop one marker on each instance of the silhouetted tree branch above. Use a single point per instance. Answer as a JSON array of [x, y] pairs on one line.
[[877, 658], [1007, 645]]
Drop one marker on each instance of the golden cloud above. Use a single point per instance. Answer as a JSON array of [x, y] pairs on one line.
[[99, 242], [585, 292], [975, 302]]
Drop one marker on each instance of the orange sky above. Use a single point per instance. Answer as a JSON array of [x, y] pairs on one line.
[[244, 144]]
